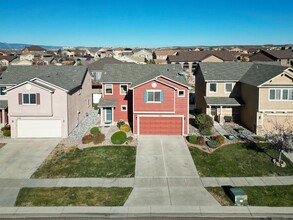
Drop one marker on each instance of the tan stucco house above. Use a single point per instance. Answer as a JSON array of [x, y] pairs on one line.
[[255, 94], [44, 101]]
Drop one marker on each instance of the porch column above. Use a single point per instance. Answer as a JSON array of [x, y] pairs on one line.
[[3, 116], [112, 115], [221, 108], [102, 116]]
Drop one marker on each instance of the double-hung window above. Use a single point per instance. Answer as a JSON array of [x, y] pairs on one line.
[[29, 98], [281, 94], [123, 89], [154, 96], [213, 87], [228, 87], [108, 89]]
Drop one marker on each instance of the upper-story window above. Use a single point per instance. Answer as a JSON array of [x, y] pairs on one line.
[[123, 89], [154, 96], [181, 93], [228, 87], [2, 89], [97, 75], [281, 94], [109, 89], [29, 99], [213, 87]]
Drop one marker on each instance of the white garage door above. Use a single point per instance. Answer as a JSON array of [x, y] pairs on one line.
[[38, 128]]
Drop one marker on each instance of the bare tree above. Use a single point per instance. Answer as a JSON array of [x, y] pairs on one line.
[[281, 138]]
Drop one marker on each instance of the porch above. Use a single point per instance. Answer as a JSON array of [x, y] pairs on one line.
[[224, 109], [3, 113], [107, 107]]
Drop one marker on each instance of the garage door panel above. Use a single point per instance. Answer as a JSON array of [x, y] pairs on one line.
[[39, 128], [160, 125]]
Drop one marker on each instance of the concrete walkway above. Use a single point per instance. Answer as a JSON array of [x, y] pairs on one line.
[[165, 174], [219, 129]]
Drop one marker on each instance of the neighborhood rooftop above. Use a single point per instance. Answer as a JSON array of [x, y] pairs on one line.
[[250, 73], [137, 74], [66, 77]]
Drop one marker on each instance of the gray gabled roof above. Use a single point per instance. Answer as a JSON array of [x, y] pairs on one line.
[[110, 102], [66, 77], [99, 64], [232, 71], [245, 72], [261, 73], [3, 104], [224, 101], [137, 74]]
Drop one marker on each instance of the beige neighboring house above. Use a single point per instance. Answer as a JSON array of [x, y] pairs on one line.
[[27, 56], [160, 56], [284, 57], [140, 55], [33, 48], [253, 94], [189, 59], [6, 60], [44, 101], [18, 62]]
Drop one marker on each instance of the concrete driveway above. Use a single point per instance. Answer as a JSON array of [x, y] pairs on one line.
[[165, 174], [164, 156], [20, 158]]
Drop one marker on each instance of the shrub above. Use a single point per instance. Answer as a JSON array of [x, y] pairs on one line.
[[129, 139], [204, 121], [220, 139], [87, 139], [119, 137], [205, 132], [3, 128], [120, 123], [200, 140], [192, 139], [125, 128], [98, 138], [212, 144], [6, 133], [96, 106], [95, 130]]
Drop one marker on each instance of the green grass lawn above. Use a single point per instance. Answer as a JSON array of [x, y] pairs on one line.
[[259, 195], [239, 160], [72, 196], [107, 161]]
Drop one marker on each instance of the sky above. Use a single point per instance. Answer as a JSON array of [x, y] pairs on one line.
[[148, 23]]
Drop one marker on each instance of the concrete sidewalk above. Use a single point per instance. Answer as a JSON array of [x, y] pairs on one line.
[[148, 211]]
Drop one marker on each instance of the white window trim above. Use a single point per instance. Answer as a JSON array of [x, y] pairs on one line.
[[210, 88], [126, 89], [154, 91], [4, 89], [125, 108], [231, 88], [181, 95], [281, 97], [29, 98], [106, 89]]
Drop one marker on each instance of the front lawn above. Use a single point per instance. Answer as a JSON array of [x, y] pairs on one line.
[[106, 161], [73, 196], [240, 160], [259, 195]]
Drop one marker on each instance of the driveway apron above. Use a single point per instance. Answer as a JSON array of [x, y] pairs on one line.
[[165, 174]]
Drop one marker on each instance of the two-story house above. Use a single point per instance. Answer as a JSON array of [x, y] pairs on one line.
[[284, 57], [153, 99], [254, 94], [44, 101]]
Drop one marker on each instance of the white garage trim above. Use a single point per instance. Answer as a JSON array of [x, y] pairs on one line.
[[160, 116], [29, 128]]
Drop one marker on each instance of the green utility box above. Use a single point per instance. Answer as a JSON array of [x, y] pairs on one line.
[[238, 196]]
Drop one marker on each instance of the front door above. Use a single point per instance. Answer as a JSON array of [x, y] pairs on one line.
[[108, 115]]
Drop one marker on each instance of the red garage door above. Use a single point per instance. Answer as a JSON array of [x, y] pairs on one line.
[[160, 125]]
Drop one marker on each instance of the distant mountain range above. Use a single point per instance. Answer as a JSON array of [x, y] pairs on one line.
[[17, 46]]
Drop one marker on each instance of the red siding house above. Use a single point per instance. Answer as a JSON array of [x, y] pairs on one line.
[[153, 99]]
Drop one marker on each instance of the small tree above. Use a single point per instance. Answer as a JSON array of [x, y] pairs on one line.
[[281, 138]]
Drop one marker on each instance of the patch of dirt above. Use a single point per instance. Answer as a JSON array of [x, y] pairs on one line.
[[59, 151], [2, 145]]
